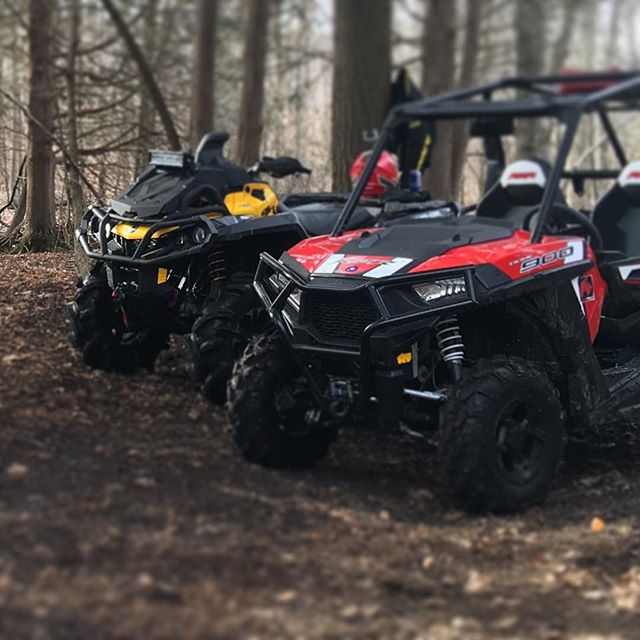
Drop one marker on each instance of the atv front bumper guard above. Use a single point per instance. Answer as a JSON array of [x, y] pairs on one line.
[[144, 255]]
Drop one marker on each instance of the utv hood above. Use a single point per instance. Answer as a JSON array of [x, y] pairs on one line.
[[394, 250]]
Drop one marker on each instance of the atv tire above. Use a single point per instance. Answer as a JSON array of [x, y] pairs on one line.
[[264, 434], [95, 332], [232, 316], [501, 436]]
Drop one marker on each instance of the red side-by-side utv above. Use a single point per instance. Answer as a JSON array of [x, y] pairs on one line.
[[505, 326]]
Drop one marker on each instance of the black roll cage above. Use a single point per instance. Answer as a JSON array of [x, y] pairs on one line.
[[542, 99]]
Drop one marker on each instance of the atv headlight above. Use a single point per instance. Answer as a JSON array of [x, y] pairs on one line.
[[447, 290], [198, 236]]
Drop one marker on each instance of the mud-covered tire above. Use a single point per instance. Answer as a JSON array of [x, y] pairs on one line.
[[94, 334], [264, 369], [501, 436], [219, 336]]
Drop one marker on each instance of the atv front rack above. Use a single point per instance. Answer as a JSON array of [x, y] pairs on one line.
[[99, 220]]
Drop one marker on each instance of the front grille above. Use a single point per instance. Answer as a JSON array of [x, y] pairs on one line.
[[339, 316]]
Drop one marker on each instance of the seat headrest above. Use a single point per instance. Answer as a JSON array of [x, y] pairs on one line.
[[525, 173], [629, 180], [525, 180]]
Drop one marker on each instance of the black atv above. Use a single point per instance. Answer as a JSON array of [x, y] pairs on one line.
[[178, 250], [501, 332], [156, 250]]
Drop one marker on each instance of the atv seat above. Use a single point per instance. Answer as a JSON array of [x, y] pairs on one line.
[[617, 214], [518, 192], [319, 218]]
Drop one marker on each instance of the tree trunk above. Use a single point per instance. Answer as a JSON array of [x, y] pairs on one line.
[[611, 51], [76, 195], [530, 34], [146, 74], [361, 77], [467, 76], [40, 213], [562, 46], [146, 115], [17, 151], [202, 91], [438, 75], [252, 100]]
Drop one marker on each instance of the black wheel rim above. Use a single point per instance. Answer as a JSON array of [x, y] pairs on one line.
[[520, 441]]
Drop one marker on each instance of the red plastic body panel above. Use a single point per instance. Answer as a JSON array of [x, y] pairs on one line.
[[514, 256]]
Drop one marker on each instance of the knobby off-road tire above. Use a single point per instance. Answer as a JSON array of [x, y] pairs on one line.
[[96, 334], [265, 434], [501, 436], [218, 337]]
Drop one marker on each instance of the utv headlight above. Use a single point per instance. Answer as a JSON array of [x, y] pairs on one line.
[[445, 291]]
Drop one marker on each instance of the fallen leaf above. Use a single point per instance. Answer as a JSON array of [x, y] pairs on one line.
[[286, 596], [145, 580], [476, 582], [17, 470], [597, 525], [350, 612]]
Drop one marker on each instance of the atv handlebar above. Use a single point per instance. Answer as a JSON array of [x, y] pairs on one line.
[[280, 167], [141, 257]]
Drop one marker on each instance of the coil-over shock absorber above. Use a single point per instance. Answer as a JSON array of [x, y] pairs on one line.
[[449, 338], [217, 270]]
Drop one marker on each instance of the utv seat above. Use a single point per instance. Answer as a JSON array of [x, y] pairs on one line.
[[617, 214], [518, 192]]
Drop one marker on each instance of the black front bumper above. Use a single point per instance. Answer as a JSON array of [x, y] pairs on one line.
[[375, 354], [96, 219]]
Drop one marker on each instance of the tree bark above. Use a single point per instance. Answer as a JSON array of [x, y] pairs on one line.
[[467, 75], [530, 33], [254, 65], [76, 195], [40, 205], [438, 75], [562, 46], [611, 51], [361, 77], [146, 74], [146, 115], [202, 91]]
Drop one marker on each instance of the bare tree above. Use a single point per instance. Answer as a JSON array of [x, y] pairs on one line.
[[530, 34], [75, 182], [254, 64], [146, 74], [562, 45], [202, 91], [362, 69], [466, 77], [146, 114], [40, 196], [438, 75], [611, 51]]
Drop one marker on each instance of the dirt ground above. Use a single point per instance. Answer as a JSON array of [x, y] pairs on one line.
[[125, 513]]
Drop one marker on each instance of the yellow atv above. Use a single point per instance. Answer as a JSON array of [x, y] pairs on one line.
[[158, 251]]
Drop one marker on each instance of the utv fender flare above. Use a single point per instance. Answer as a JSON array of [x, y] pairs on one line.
[[562, 322]]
